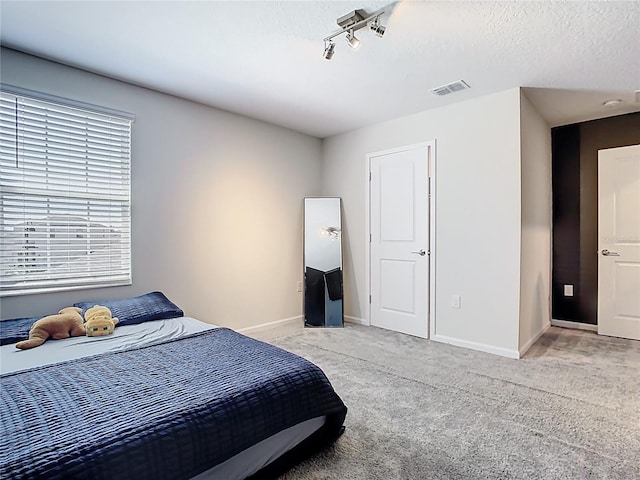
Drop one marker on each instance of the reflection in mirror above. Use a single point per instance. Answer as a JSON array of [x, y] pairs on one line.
[[322, 263]]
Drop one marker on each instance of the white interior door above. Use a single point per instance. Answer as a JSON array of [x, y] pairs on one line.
[[399, 240], [619, 242]]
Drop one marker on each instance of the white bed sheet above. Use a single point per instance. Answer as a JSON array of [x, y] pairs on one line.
[[122, 338]]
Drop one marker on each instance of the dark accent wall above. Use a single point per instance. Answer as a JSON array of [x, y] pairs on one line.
[[575, 210]]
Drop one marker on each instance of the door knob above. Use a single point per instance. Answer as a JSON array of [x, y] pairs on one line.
[[607, 253], [421, 252]]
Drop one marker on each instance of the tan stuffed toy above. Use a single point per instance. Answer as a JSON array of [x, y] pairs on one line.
[[67, 323], [98, 321]]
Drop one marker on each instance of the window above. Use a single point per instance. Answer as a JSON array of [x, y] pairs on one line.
[[65, 208]]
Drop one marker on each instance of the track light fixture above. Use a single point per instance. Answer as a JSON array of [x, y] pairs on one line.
[[349, 24]]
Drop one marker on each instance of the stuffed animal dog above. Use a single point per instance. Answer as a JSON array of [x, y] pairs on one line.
[[67, 323]]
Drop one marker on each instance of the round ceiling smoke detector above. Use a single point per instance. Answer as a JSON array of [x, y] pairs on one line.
[[614, 102]]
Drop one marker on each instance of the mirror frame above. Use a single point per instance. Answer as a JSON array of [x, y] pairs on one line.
[[319, 308]]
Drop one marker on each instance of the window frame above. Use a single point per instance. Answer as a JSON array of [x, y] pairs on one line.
[[105, 244]]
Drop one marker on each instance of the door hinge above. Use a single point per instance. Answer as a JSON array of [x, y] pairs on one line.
[[369, 298], [369, 176], [369, 238]]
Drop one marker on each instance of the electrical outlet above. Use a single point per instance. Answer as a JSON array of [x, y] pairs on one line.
[[568, 290], [299, 286], [455, 301]]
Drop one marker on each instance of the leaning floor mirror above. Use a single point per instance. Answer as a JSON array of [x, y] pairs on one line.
[[322, 263]]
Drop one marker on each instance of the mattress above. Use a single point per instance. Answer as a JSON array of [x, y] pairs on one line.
[[165, 343]]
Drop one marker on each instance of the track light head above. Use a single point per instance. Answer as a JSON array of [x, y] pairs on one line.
[[329, 50], [352, 40], [377, 28]]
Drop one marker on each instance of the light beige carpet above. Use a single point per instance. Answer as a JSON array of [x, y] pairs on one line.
[[570, 409]]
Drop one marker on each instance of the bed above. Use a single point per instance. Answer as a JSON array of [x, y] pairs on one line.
[[160, 398]]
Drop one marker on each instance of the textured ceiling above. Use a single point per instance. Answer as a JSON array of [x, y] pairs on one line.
[[264, 59]]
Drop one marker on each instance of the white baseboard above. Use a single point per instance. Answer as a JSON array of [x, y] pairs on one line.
[[288, 325], [503, 352], [359, 321], [277, 328], [533, 339], [574, 325]]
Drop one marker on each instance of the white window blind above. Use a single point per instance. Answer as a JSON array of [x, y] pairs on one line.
[[65, 213]]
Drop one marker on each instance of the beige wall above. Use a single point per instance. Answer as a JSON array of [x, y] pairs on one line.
[[478, 213], [535, 261], [216, 201]]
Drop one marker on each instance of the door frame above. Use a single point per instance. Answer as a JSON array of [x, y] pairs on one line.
[[431, 247]]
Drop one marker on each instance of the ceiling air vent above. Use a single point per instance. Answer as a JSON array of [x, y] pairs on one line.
[[450, 88]]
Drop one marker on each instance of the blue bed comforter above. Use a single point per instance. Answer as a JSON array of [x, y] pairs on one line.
[[167, 411]]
